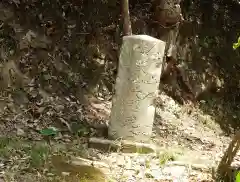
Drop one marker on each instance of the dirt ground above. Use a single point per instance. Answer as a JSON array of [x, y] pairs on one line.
[[184, 139], [46, 62]]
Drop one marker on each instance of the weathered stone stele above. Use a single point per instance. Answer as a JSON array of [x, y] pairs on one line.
[[139, 71]]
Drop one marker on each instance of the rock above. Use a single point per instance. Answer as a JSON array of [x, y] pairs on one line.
[[20, 132]]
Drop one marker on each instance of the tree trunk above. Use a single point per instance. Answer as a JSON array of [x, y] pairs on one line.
[[224, 168], [167, 19], [167, 16], [127, 27], [133, 109]]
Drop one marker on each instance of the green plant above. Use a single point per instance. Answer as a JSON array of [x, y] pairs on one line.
[[6, 146], [165, 157], [38, 155], [237, 44]]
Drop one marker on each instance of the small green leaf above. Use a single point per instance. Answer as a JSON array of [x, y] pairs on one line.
[[49, 131], [236, 45], [238, 177]]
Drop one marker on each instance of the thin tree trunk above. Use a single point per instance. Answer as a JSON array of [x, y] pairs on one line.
[[223, 170], [127, 27]]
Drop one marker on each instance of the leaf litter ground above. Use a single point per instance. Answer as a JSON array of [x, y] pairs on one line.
[[48, 61]]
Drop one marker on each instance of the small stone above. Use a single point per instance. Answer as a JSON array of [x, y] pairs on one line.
[[20, 132]]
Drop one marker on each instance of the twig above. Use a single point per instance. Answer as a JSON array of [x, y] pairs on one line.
[[67, 124]]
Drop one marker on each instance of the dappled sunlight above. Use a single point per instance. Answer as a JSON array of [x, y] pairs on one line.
[[58, 66]]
